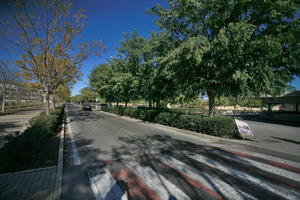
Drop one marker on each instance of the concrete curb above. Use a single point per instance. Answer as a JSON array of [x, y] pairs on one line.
[[60, 163]]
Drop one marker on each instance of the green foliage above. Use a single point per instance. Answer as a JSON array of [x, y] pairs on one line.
[[218, 49], [232, 48], [36, 147], [217, 126], [87, 95]]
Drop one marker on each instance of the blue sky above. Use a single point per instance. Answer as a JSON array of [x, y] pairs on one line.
[[109, 20]]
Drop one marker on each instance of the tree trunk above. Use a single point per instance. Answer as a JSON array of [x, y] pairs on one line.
[[150, 104], [47, 95], [211, 102], [117, 103], [158, 104], [126, 104], [52, 103], [3, 101]]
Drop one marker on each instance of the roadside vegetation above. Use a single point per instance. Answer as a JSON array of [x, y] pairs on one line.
[[217, 126], [43, 33], [37, 147], [223, 51]]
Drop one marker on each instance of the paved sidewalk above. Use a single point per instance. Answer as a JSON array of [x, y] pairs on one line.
[[12, 123], [28, 185]]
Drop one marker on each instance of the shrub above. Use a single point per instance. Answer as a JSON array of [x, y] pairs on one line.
[[36, 147], [216, 126]]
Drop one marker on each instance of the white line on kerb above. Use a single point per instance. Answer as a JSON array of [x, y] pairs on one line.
[[76, 158]]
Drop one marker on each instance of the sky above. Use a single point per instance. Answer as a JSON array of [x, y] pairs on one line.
[[109, 20]]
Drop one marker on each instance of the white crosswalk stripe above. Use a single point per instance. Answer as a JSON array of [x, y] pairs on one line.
[[268, 157], [156, 181], [230, 192], [105, 187], [263, 166], [281, 191]]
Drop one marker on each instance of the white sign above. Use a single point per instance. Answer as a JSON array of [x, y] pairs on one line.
[[244, 130]]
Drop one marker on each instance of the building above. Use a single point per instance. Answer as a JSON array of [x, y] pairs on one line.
[[288, 102], [20, 93]]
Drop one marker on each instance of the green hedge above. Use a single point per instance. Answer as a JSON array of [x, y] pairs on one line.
[[216, 126], [36, 147]]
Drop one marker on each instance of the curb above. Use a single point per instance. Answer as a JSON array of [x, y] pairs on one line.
[[60, 163]]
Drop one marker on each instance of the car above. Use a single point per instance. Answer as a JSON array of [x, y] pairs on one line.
[[141, 106], [87, 107], [102, 105]]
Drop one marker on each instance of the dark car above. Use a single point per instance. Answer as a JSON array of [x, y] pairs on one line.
[[103, 105], [87, 107]]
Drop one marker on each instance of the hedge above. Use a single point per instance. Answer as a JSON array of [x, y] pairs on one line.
[[37, 147], [216, 126]]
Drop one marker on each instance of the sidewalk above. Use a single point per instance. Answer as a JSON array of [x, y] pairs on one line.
[[30, 184]]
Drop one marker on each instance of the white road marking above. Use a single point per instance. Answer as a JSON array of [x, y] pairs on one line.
[[157, 182], [263, 166], [264, 156], [215, 184], [76, 158], [104, 186], [94, 189], [279, 190]]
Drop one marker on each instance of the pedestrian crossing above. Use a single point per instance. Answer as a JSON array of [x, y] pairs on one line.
[[196, 173]]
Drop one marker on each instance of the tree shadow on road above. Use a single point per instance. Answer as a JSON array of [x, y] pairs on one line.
[[143, 149]]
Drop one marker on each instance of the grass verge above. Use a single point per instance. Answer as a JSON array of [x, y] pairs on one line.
[[37, 147]]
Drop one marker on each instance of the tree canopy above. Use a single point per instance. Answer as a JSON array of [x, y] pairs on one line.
[[235, 48], [44, 33]]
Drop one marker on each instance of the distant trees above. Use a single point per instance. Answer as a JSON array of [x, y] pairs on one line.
[[44, 33], [216, 48]]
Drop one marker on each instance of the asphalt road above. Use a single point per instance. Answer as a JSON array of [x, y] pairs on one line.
[[278, 137], [111, 157]]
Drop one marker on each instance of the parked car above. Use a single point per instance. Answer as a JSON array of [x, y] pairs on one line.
[[87, 107], [141, 106], [102, 105]]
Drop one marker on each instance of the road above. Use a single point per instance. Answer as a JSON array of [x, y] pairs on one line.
[[112, 157], [283, 138]]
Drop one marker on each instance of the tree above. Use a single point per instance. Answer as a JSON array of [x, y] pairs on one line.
[[8, 80], [87, 95], [62, 94], [77, 98], [231, 48], [100, 82], [44, 33]]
